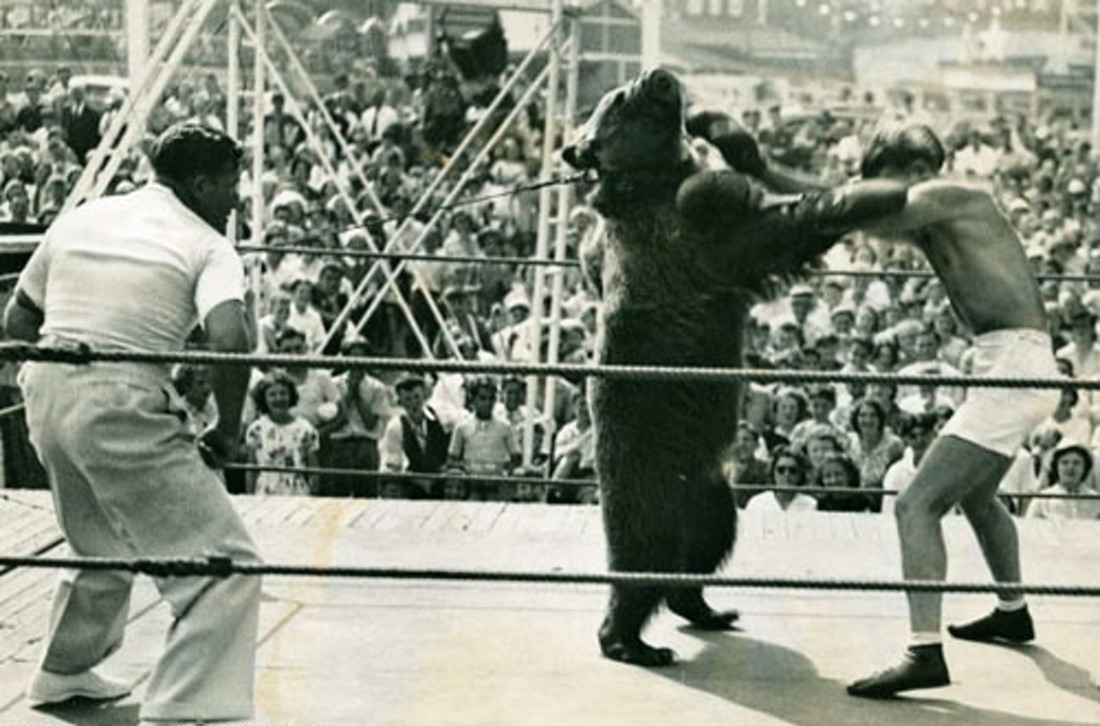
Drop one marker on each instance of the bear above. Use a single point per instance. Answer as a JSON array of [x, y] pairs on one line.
[[685, 253]]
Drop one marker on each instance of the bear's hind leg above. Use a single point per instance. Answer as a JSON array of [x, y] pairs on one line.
[[621, 632], [710, 527]]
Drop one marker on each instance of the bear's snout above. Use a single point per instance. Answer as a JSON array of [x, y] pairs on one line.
[[662, 86]]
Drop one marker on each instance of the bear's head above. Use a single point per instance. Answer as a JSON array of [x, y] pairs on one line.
[[636, 131]]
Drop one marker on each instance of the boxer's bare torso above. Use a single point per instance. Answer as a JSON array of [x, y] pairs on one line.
[[975, 252]]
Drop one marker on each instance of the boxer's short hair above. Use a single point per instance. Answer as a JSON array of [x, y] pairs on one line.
[[901, 145], [187, 150]]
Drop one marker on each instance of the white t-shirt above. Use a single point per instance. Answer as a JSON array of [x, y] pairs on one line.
[[1065, 508], [132, 272], [768, 502]]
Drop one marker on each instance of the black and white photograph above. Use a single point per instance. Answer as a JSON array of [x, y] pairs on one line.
[[542, 362]]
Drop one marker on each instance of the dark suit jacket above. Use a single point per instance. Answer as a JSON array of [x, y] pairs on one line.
[[80, 130]]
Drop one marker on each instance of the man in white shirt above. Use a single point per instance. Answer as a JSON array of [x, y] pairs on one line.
[[137, 272], [379, 116]]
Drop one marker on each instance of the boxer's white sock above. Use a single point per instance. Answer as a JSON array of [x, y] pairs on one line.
[[925, 638]]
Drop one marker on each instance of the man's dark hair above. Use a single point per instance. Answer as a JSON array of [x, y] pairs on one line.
[[187, 150], [909, 423], [901, 145]]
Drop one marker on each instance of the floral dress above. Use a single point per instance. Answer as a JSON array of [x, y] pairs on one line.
[[289, 444]]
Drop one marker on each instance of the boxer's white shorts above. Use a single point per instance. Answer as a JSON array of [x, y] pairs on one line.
[[1001, 419]]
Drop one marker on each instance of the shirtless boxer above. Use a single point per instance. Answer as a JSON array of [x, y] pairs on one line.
[[978, 257]]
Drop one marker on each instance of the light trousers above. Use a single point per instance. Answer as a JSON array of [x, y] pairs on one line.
[[128, 481]]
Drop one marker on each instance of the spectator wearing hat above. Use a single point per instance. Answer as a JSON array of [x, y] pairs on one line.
[[810, 314], [514, 341], [1068, 474], [484, 444], [414, 440], [842, 320], [289, 207], [355, 445]]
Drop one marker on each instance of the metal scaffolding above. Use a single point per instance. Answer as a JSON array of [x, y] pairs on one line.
[[562, 48]]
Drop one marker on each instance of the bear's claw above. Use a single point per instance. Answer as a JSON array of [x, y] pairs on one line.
[[637, 653], [715, 620], [691, 606]]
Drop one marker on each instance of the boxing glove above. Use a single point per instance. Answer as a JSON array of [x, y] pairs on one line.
[[737, 145]]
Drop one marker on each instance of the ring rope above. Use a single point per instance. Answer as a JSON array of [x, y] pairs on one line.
[[551, 262], [224, 566], [80, 354], [415, 256], [12, 410], [544, 481]]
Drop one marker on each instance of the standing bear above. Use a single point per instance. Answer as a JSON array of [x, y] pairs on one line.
[[684, 255]]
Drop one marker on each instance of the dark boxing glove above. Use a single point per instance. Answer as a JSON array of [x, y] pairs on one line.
[[737, 145]]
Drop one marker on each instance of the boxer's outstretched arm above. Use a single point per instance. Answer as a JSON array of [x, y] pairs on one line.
[[782, 180], [933, 201], [778, 234]]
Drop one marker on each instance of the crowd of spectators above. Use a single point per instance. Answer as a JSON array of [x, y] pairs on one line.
[[402, 131]]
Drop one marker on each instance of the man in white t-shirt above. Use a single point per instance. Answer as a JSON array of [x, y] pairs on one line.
[[138, 272]]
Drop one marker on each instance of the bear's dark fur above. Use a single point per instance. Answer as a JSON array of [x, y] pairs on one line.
[[684, 254]]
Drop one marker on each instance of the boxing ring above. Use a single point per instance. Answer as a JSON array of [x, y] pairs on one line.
[[456, 612]]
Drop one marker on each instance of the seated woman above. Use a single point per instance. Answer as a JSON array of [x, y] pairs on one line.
[[1070, 467], [789, 408], [745, 467], [838, 471], [789, 469], [873, 445]]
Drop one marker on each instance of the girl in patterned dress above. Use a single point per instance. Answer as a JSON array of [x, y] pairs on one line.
[[279, 438]]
